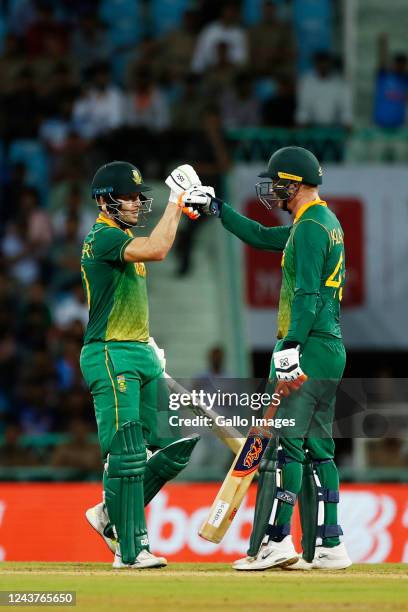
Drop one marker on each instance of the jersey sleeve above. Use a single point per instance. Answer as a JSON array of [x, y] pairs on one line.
[[253, 233], [110, 244], [311, 243]]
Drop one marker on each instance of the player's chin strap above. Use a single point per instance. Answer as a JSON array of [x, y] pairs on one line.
[[145, 207]]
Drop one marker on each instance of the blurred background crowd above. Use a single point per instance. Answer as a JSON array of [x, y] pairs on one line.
[[157, 82]]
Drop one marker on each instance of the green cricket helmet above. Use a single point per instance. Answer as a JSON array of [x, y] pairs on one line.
[[119, 178], [288, 168]]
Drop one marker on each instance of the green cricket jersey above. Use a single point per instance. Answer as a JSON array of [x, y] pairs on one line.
[[116, 290], [313, 267]]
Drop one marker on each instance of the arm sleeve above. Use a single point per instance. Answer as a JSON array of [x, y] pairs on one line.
[[110, 244], [311, 242], [253, 233]]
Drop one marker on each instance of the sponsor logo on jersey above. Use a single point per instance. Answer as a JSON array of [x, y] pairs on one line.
[[121, 383], [140, 269]]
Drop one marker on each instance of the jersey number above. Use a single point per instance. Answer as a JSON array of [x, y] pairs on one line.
[[332, 281]]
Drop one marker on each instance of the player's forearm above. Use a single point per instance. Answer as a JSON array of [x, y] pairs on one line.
[[253, 233], [303, 315], [158, 244]]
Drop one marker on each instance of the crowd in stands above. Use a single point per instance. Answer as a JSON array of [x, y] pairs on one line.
[[80, 86]]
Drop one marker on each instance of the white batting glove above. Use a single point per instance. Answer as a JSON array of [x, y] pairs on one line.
[[196, 198], [181, 179], [287, 364], [159, 352]]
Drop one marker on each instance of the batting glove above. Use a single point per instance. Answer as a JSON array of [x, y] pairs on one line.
[[181, 179], [287, 364], [194, 198], [159, 352]]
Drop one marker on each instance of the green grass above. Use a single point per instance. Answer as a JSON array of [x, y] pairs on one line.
[[215, 587]]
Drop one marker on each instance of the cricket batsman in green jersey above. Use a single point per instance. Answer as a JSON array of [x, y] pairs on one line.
[[122, 365], [307, 364]]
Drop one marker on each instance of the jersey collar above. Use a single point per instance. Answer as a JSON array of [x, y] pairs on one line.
[[111, 223], [306, 206]]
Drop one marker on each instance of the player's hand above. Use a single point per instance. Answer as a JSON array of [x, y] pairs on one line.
[[203, 201], [285, 387], [159, 352], [182, 178], [195, 198], [287, 364]]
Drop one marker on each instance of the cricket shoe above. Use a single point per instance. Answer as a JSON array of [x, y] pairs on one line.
[[272, 554], [98, 518], [335, 558], [300, 565], [144, 560]]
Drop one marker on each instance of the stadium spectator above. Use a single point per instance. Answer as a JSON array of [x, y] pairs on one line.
[[72, 204], [64, 257], [89, 42], [39, 226], [36, 405], [324, 97], [12, 453], [186, 111], [34, 317], [391, 87], [146, 106], [72, 307], [45, 30], [100, 107], [272, 44], [14, 183], [226, 29], [78, 452], [239, 106], [221, 75], [279, 109], [12, 61], [177, 46], [18, 104], [67, 365], [18, 254]]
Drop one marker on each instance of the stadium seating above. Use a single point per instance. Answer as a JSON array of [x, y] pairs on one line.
[[166, 15], [33, 155]]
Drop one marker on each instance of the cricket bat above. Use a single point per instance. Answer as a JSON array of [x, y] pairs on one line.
[[229, 435], [241, 474]]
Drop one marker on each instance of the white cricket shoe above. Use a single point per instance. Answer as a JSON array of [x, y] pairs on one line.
[[334, 558], [273, 554], [144, 560], [98, 518], [301, 565]]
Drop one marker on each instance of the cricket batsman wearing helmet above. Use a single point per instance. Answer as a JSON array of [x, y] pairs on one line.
[[307, 364], [122, 366]]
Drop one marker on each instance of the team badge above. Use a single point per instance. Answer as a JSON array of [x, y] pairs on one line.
[[137, 177], [121, 383], [284, 363]]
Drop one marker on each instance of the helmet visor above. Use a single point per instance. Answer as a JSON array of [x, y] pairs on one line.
[[273, 191]]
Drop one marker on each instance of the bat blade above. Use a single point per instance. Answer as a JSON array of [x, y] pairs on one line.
[[234, 488]]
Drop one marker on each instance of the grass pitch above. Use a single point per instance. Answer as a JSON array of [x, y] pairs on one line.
[[214, 587]]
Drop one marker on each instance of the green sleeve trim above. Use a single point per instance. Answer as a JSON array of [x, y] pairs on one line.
[[122, 250]]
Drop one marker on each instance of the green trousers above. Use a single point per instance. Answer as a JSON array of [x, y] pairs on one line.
[[313, 409], [127, 384]]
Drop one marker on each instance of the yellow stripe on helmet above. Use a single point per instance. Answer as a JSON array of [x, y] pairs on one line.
[[292, 177]]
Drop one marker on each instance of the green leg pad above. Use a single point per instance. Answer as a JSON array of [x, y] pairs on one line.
[[165, 464], [329, 479], [264, 497], [124, 490], [308, 510]]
